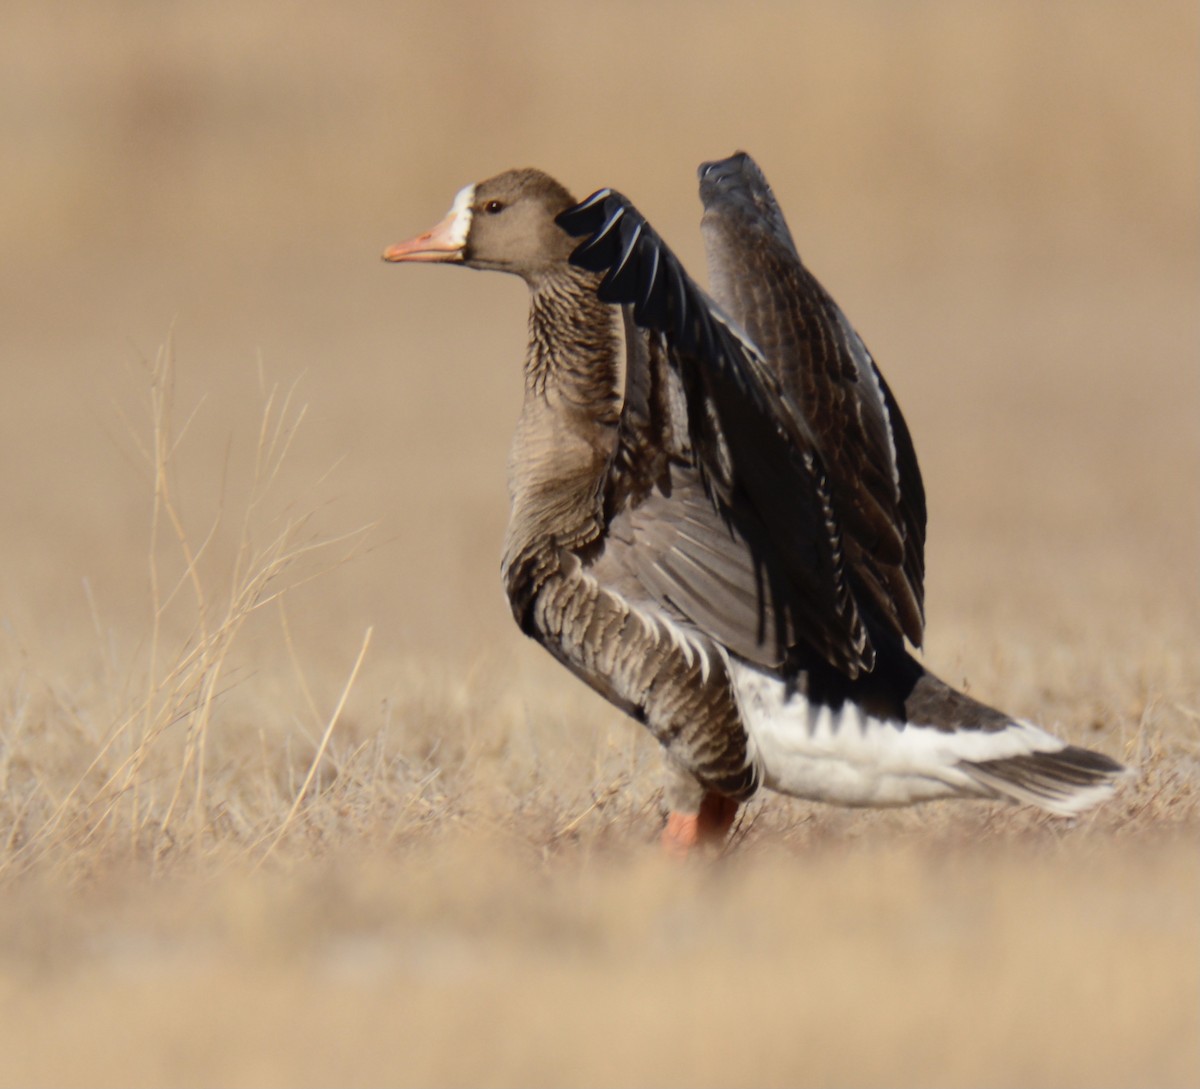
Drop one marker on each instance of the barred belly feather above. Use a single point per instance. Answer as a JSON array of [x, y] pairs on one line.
[[671, 678]]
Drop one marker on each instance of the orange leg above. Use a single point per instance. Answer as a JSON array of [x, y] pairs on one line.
[[711, 825]]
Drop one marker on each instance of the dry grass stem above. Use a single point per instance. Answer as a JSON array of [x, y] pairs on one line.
[[186, 672], [316, 760]]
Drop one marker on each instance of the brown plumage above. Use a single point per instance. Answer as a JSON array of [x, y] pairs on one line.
[[723, 531], [826, 371]]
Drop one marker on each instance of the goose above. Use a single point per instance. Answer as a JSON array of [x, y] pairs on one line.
[[717, 515]]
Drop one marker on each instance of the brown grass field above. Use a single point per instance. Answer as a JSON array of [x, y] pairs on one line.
[[286, 798]]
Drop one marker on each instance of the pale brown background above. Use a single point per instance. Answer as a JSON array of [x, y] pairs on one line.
[[1004, 200]]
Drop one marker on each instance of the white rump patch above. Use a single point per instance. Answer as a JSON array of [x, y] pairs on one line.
[[848, 757]]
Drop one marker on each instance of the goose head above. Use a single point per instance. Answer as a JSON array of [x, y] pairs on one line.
[[505, 223]]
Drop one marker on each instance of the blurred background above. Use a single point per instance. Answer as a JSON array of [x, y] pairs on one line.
[[1002, 197]]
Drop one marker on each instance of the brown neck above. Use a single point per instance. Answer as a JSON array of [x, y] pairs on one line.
[[572, 345], [566, 434]]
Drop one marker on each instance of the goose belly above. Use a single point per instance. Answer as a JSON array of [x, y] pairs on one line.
[[843, 755]]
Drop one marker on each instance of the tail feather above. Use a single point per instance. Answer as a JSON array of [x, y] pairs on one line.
[[901, 735], [1066, 782]]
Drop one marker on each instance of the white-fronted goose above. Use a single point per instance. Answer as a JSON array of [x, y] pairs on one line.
[[724, 533]]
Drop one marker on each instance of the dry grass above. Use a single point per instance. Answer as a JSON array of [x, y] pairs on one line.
[[457, 964], [287, 802], [144, 789]]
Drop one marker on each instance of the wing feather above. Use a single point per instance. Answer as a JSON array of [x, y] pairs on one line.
[[673, 550], [829, 377], [755, 458]]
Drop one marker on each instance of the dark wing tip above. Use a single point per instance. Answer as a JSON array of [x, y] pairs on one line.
[[589, 214], [639, 268], [737, 178], [734, 165]]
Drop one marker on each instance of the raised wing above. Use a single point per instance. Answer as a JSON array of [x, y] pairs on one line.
[[830, 379], [697, 382]]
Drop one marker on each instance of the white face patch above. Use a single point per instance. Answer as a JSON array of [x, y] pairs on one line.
[[459, 216]]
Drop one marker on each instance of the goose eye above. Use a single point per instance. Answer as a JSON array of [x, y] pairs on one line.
[[492, 207]]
